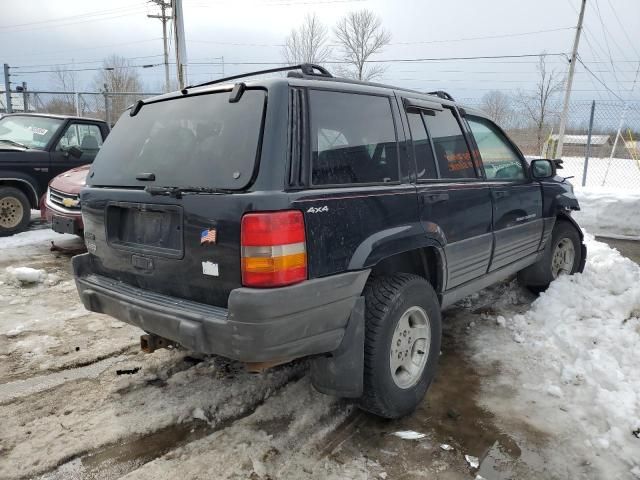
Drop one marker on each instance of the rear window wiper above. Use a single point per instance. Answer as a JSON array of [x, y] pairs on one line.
[[13, 142], [178, 192]]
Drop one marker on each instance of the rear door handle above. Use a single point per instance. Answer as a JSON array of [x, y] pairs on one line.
[[436, 197], [500, 193]]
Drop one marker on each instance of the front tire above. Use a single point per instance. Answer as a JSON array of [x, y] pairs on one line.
[[562, 256], [402, 343], [15, 211]]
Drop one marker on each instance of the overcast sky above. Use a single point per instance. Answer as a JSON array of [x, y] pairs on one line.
[[35, 34]]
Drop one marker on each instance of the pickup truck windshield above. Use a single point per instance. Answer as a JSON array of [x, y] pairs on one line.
[[28, 131], [194, 141]]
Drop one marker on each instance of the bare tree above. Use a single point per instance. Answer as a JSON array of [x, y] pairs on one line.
[[118, 76], [360, 34], [536, 105], [64, 80], [307, 44], [498, 106]]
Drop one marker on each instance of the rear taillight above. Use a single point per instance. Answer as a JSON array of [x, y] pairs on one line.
[[273, 249]]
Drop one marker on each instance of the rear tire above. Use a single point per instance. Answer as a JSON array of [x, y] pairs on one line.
[[15, 211], [562, 256], [402, 343]]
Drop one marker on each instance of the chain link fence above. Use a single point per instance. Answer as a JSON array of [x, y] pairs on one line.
[[107, 106], [609, 157]]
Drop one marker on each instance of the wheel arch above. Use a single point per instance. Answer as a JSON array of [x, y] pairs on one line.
[[564, 216], [426, 262], [403, 249], [24, 185]]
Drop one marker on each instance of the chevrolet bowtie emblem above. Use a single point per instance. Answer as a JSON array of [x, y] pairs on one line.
[[70, 202]]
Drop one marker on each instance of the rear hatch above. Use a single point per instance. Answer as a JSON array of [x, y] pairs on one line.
[[167, 192]]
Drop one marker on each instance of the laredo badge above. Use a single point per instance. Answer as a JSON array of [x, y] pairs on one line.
[[208, 236]]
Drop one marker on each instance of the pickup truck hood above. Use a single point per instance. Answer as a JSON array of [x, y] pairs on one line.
[[7, 147], [71, 181]]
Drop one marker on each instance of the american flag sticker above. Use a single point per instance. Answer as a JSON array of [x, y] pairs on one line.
[[208, 236]]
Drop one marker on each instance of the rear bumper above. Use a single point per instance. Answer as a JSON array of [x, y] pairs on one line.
[[259, 325]]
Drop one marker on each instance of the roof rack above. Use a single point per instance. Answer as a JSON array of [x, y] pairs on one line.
[[441, 94], [307, 69]]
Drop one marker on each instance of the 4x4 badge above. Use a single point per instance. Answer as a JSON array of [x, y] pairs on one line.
[[318, 209]]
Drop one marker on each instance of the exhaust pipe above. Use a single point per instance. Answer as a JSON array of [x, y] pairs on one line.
[[150, 343], [260, 367]]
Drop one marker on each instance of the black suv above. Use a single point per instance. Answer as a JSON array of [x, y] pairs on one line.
[[315, 216], [35, 148]]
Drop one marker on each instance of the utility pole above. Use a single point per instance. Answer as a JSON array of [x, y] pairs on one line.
[[25, 98], [7, 89], [178, 32], [567, 92], [164, 18]]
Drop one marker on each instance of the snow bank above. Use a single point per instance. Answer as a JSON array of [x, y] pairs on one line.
[[608, 212], [580, 343], [32, 237]]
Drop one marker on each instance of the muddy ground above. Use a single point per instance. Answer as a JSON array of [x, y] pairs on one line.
[[79, 400]]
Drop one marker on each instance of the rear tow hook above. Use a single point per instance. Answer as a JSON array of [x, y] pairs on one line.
[[150, 343]]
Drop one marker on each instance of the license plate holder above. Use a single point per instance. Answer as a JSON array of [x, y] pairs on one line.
[[62, 224]]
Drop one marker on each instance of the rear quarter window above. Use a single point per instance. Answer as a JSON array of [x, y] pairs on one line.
[[452, 153], [353, 139]]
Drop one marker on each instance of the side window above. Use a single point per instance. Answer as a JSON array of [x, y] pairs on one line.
[[426, 167], [353, 139], [452, 153], [87, 138], [500, 161]]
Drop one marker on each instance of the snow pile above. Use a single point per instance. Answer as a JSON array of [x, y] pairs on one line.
[[32, 237], [409, 435], [607, 212], [25, 275], [580, 343]]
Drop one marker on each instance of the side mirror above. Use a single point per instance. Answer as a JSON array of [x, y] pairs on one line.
[[542, 168], [74, 151]]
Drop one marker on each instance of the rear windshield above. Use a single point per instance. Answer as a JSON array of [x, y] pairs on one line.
[[195, 141]]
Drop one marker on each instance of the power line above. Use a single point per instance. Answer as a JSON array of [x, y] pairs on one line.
[[237, 44], [421, 42], [598, 79], [110, 17], [48, 53], [487, 37], [62, 64], [71, 17], [606, 41], [124, 67], [279, 4], [393, 60], [633, 46]]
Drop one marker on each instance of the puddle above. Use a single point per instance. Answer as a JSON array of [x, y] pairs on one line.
[[113, 461], [450, 414]]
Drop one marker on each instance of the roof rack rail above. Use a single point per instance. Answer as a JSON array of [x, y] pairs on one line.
[[307, 69], [441, 94]]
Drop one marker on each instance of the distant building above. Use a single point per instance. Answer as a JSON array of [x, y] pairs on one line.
[[576, 145]]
